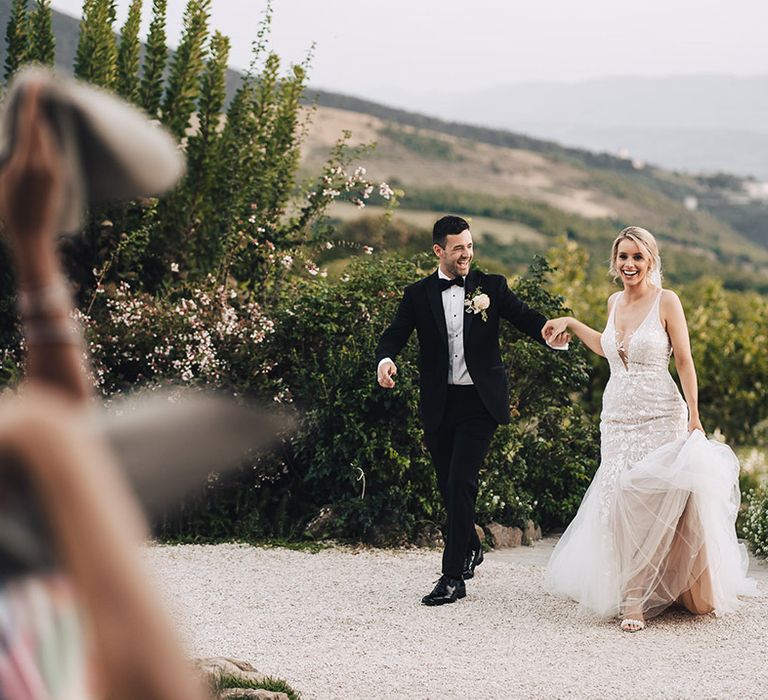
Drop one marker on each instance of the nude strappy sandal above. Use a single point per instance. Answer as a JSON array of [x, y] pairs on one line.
[[629, 624]]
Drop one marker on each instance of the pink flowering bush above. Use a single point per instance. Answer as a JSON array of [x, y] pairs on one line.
[[193, 336]]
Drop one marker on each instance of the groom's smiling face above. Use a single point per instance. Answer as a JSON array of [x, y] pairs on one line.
[[456, 256]]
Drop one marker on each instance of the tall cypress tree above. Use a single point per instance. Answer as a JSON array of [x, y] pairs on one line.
[[96, 59], [42, 45], [128, 55], [203, 151], [84, 42], [155, 58], [16, 37], [186, 68]]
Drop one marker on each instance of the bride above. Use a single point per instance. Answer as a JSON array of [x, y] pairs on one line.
[[656, 525]]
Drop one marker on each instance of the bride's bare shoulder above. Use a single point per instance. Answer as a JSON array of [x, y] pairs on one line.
[[670, 299], [612, 300], [671, 308]]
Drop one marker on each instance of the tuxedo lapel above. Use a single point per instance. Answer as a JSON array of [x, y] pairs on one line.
[[469, 287], [434, 295]]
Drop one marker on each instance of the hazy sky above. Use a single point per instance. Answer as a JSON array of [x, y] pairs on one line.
[[390, 49]]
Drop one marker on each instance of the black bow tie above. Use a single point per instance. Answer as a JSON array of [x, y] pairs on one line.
[[446, 284]]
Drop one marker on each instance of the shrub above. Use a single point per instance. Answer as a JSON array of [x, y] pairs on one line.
[[543, 462], [323, 351], [755, 524], [201, 336]]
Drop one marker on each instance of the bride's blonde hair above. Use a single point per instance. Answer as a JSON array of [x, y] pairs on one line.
[[647, 242]]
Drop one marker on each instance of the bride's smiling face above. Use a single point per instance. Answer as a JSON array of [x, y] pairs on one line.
[[633, 263]]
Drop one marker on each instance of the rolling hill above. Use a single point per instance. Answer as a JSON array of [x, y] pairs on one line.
[[527, 193]]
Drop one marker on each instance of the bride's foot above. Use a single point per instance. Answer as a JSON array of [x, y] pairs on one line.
[[633, 623]]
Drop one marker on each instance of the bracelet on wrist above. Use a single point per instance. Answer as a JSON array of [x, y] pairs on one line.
[[55, 297], [61, 331]]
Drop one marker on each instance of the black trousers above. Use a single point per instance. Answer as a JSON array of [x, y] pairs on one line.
[[458, 448]]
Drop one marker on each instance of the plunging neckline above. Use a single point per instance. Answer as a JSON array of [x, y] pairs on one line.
[[623, 345]]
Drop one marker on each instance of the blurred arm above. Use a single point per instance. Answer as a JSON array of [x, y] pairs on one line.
[[30, 203], [98, 527]]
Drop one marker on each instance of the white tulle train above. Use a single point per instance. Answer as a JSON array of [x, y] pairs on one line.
[[661, 532]]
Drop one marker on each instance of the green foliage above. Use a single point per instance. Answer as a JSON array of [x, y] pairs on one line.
[[552, 444], [42, 45], [10, 365], [16, 38], [358, 449], [187, 66], [755, 523], [349, 427], [96, 58], [729, 333], [202, 336], [155, 58], [240, 209], [191, 204], [128, 55], [251, 196], [275, 685]]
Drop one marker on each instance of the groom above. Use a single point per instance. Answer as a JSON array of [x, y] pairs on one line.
[[462, 384]]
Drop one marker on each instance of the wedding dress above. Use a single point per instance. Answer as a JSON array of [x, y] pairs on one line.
[[656, 525]]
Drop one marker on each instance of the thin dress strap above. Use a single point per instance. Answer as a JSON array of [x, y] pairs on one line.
[[656, 306], [612, 315]]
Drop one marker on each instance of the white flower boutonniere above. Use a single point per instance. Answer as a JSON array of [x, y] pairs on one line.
[[478, 303]]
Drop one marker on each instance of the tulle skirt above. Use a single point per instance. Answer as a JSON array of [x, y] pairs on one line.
[[661, 532]]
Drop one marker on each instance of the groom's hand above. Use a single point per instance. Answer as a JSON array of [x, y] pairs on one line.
[[386, 371]]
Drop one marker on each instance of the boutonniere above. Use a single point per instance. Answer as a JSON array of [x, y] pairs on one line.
[[478, 303]]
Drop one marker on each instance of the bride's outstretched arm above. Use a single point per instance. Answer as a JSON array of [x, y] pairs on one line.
[[677, 328], [589, 336]]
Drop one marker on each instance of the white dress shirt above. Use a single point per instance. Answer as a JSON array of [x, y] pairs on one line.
[[453, 308]]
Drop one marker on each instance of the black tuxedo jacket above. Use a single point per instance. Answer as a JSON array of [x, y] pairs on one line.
[[422, 308]]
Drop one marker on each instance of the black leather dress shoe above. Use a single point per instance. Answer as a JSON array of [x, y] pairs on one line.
[[474, 558], [447, 590]]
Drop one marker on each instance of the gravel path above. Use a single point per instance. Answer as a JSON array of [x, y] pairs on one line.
[[344, 624]]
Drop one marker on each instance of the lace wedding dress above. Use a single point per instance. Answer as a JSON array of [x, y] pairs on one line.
[[656, 525]]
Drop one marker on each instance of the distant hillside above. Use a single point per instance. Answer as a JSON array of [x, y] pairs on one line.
[[734, 200], [731, 214], [699, 123]]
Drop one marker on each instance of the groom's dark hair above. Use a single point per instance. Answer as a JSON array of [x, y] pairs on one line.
[[447, 226]]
